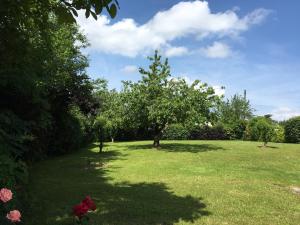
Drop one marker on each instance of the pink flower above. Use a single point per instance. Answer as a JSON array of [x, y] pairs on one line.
[[5, 195], [14, 216]]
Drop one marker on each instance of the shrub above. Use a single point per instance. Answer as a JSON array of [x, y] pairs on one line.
[[260, 129], [176, 132], [217, 132], [7, 207], [68, 134], [292, 130], [238, 129], [14, 175]]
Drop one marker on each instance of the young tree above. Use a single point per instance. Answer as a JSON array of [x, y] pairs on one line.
[[261, 128], [265, 131]]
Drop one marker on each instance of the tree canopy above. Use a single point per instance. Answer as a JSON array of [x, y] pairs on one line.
[[158, 100]]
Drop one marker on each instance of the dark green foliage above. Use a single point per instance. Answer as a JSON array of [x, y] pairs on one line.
[[91, 7], [292, 130], [14, 176], [217, 132], [67, 134], [46, 96], [176, 132]]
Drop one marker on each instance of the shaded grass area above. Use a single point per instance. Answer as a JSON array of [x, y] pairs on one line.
[[178, 147], [184, 182]]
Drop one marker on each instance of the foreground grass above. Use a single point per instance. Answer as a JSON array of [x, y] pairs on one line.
[[185, 182]]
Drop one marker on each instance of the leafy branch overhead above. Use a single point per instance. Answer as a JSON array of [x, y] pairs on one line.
[[66, 10]]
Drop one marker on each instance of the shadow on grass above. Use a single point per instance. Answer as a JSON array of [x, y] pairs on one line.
[[266, 147], [178, 147], [147, 203], [69, 180]]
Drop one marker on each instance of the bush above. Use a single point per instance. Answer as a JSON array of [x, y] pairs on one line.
[[68, 133], [14, 176], [176, 132], [292, 130], [237, 130], [260, 129], [217, 132]]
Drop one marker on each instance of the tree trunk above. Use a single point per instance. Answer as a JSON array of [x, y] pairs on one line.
[[265, 144], [112, 140], [156, 143], [101, 140], [100, 146]]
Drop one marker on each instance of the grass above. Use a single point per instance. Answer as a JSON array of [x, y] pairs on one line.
[[184, 182]]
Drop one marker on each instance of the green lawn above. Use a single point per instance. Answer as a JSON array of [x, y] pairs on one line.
[[185, 182]]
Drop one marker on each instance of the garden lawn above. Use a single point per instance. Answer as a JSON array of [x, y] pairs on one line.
[[184, 182]]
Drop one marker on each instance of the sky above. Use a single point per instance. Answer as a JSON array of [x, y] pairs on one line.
[[242, 45]]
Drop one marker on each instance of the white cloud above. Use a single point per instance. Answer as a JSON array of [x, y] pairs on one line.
[[176, 51], [129, 69], [217, 50], [185, 19], [284, 113], [219, 90]]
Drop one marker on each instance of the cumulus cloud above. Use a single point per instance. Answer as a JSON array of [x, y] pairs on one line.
[[219, 90], [185, 19], [176, 51], [217, 50], [129, 69], [284, 113]]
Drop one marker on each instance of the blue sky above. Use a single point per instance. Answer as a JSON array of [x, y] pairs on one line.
[[252, 45]]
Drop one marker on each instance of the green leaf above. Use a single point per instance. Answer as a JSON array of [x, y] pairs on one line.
[[94, 15], [98, 7], [64, 15], [87, 13], [74, 12], [113, 11], [106, 2]]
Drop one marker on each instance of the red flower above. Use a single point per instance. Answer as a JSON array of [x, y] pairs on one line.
[[80, 210], [89, 203]]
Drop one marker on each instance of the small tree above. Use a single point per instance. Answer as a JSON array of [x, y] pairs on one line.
[[261, 128], [265, 131]]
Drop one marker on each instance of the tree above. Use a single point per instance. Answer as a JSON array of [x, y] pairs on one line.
[[109, 106], [157, 100], [234, 114], [43, 73], [113, 114], [261, 128], [292, 130]]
